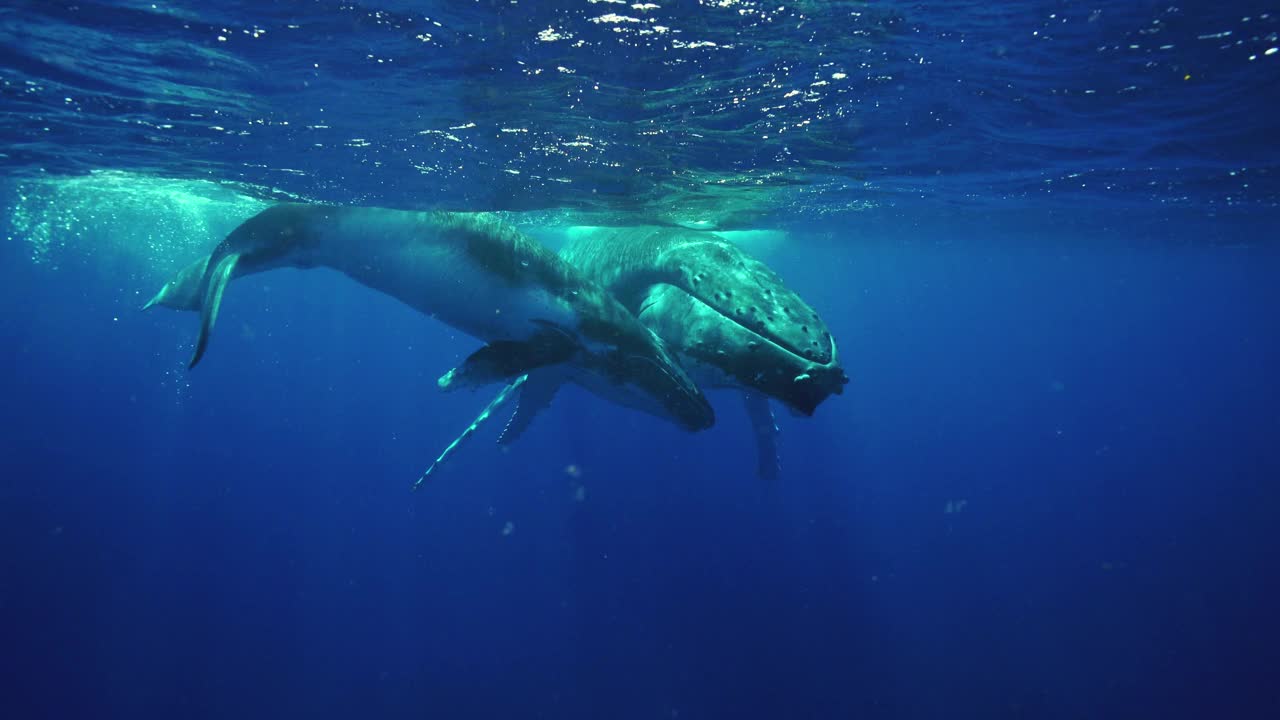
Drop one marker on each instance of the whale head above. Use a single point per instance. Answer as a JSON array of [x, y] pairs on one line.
[[783, 365], [727, 310], [718, 306]]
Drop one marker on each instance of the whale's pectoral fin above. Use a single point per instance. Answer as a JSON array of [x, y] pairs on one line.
[[215, 284], [489, 409], [766, 432], [536, 397], [506, 359], [183, 291], [535, 391]]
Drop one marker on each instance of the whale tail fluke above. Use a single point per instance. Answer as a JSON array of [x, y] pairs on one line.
[[199, 288], [183, 291], [215, 285]]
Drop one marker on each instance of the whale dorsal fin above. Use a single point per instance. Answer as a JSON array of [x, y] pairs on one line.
[[505, 359], [535, 396], [217, 280]]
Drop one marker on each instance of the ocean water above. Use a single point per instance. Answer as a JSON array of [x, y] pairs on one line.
[[1042, 233]]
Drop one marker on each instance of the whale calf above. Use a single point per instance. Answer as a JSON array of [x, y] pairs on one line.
[[472, 272], [731, 318]]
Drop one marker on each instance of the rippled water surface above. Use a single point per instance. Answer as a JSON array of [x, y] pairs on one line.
[[718, 111]]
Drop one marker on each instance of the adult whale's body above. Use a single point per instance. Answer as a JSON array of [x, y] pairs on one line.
[[731, 318], [470, 271]]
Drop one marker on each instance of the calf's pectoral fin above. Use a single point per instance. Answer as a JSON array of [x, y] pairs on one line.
[[493, 405], [534, 398], [216, 285]]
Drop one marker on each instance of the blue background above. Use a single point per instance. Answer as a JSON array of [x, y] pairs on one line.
[[1106, 410]]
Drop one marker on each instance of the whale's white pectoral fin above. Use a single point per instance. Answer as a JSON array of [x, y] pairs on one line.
[[768, 466], [535, 391], [484, 415], [534, 398], [216, 285], [505, 359]]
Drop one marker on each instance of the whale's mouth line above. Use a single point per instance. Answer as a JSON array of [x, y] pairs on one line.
[[808, 362]]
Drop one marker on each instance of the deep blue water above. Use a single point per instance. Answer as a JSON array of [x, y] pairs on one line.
[[1049, 491]]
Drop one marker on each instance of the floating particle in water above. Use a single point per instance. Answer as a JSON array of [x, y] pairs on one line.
[[509, 528]]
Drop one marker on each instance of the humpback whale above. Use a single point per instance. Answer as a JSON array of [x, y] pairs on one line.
[[730, 317], [725, 310], [474, 273]]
